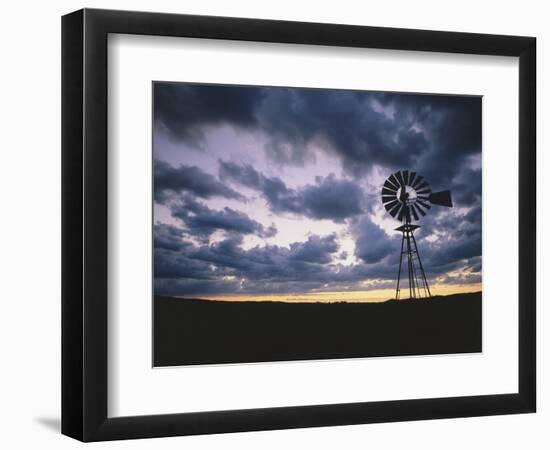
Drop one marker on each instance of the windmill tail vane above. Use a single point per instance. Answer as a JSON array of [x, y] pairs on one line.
[[407, 197]]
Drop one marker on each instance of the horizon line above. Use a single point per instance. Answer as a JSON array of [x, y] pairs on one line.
[[335, 297]]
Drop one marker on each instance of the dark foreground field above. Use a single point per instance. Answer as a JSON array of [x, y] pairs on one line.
[[208, 332]]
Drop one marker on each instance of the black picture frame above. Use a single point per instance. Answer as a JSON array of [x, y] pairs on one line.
[[84, 224]]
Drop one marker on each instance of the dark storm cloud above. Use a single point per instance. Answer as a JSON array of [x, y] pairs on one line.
[[451, 126], [372, 244], [194, 287], [271, 268], [474, 215], [171, 180], [346, 123], [315, 250], [270, 261], [183, 268], [200, 220], [330, 198], [434, 134], [466, 187], [333, 199], [169, 264], [226, 267], [183, 110], [474, 265], [458, 246], [458, 243], [170, 255], [168, 237]]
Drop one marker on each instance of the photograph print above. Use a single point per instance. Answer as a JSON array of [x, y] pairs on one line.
[[305, 224]]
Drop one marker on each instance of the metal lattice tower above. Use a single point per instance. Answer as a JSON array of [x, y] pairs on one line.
[[407, 197], [418, 285]]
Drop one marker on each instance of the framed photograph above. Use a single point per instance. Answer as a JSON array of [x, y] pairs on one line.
[[273, 224]]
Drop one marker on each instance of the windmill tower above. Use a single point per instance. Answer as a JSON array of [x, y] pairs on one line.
[[407, 197]]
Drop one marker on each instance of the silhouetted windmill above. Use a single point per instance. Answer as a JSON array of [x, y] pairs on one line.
[[407, 197]]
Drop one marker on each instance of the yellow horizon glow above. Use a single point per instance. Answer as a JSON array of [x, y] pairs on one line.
[[371, 296]]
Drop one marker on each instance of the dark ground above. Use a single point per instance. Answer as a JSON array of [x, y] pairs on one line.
[[210, 332]]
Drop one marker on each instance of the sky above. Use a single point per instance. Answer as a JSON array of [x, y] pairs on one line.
[[270, 193]]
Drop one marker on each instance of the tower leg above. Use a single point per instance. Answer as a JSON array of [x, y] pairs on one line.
[[410, 263], [416, 283], [397, 291], [421, 267]]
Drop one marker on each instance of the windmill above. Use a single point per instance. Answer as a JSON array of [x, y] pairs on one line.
[[408, 197]]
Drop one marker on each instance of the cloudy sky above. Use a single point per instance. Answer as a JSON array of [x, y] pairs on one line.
[[274, 193]]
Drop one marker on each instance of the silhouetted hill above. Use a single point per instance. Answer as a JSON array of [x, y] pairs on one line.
[[194, 331]]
